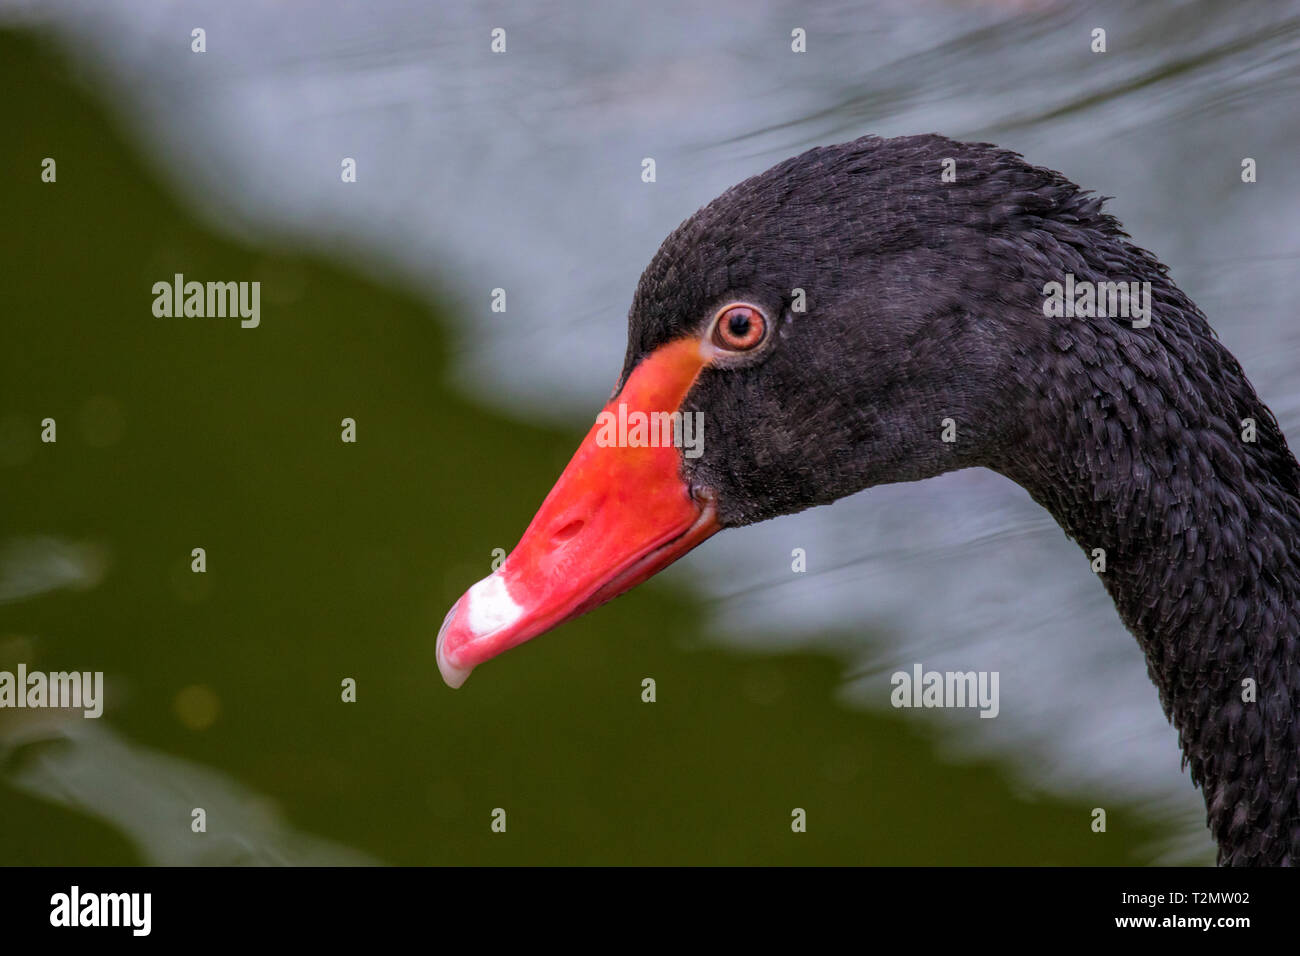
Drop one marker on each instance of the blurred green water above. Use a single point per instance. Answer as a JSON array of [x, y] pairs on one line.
[[329, 560]]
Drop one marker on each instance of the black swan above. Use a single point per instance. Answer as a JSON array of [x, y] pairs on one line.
[[833, 316]]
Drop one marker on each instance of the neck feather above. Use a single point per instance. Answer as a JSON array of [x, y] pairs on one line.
[[1140, 450]]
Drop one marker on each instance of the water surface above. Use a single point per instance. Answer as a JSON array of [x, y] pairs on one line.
[[523, 172]]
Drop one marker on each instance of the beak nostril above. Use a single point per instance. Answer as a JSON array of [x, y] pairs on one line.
[[568, 531]]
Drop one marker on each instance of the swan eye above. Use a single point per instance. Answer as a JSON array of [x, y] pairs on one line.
[[739, 328]]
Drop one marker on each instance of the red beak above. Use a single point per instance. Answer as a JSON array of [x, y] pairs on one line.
[[619, 513]]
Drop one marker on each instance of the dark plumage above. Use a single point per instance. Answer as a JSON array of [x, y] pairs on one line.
[[924, 302]]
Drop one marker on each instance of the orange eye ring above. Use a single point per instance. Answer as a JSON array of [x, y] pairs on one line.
[[739, 328]]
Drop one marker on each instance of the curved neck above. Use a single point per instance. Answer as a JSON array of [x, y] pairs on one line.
[[1199, 521]]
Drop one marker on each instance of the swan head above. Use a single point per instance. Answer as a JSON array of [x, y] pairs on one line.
[[860, 314]]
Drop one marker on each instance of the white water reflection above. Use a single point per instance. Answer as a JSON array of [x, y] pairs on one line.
[[38, 565], [150, 797], [522, 171]]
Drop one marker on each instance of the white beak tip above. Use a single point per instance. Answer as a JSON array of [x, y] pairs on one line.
[[452, 675]]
